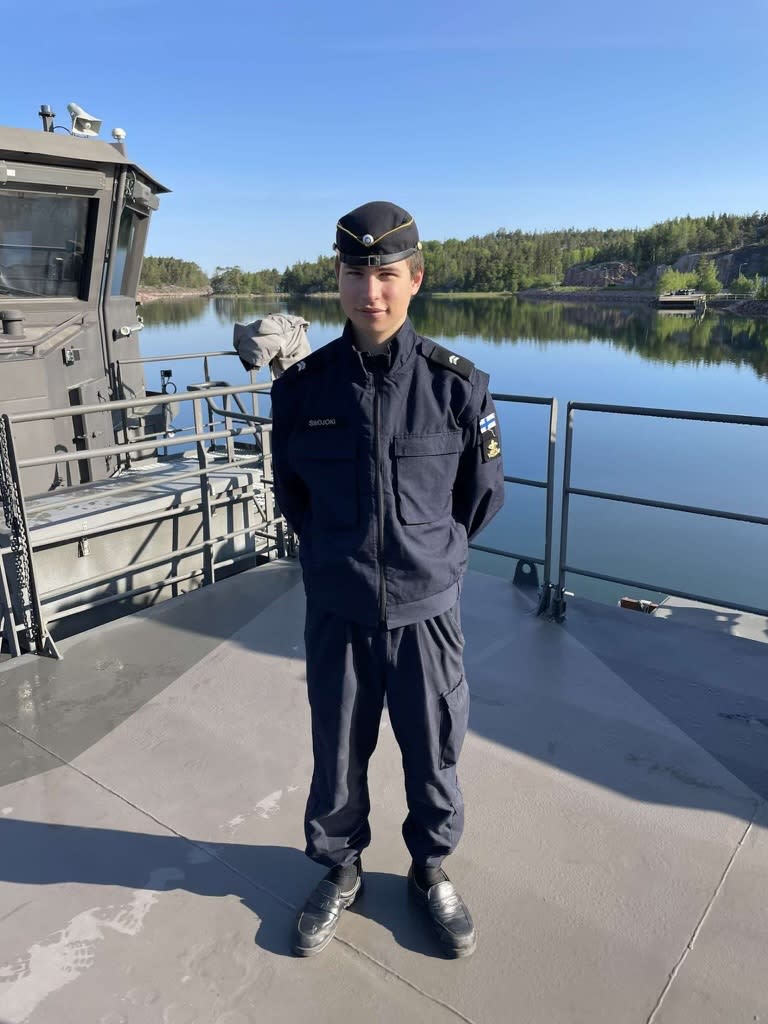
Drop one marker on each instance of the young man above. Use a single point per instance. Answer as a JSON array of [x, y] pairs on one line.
[[386, 461]]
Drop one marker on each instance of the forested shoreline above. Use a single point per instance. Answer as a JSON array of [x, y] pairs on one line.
[[504, 261]]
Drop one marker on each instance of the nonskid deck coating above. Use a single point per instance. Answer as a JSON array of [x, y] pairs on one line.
[[151, 797]]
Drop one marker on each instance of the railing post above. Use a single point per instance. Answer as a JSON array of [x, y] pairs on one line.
[[209, 569], [546, 587], [229, 440], [270, 505], [123, 458], [21, 544], [559, 603], [254, 394]]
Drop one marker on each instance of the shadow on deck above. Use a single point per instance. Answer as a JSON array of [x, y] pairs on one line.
[[151, 798]]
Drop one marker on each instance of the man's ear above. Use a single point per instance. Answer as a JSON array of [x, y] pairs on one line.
[[416, 280], [337, 268]]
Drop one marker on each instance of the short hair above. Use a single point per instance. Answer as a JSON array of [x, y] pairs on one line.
[[416, 263]]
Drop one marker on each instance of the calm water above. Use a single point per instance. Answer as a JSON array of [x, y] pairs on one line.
[[587, 354]]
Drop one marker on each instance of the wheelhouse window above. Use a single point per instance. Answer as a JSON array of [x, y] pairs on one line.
[[126, 236], [42, 244]]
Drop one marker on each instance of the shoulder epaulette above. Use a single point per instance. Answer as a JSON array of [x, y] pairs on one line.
[[458, 364]]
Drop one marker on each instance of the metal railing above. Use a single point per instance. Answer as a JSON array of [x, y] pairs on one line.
[[30, 622], [206, 384], [25, 619], [183, 356], [558, 603], [525, 560]]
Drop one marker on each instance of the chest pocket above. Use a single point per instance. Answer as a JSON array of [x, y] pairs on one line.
[[425, 471], [325, 460]]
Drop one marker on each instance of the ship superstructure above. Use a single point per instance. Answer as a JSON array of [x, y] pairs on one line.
[[74, 217], [107, 506]]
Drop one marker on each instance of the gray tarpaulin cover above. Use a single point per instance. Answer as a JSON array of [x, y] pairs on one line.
[[278, 340]]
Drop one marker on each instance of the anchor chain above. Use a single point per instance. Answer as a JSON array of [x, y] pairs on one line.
[[14, 520]]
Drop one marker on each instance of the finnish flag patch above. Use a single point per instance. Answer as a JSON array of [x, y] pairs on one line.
[[489, 437]]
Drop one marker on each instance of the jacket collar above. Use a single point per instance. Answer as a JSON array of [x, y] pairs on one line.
[[399, 348]]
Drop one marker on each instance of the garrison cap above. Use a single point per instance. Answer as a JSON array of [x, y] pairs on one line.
[[376, 234]]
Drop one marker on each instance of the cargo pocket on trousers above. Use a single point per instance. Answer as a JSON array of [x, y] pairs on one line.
[[454, 717]]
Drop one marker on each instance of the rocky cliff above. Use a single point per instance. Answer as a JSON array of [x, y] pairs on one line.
[[749, 260], [599, 275]]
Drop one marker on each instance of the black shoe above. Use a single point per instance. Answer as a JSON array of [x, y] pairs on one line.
[[450, 918], [316, 921]]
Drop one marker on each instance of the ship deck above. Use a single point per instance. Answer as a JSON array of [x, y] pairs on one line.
[[615, 857]]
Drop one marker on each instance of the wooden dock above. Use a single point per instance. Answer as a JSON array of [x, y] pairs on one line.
[[682, 301]]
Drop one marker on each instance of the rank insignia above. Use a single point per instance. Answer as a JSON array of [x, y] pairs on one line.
[[489, 437]]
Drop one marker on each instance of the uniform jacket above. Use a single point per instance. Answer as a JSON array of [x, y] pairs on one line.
[[383, 468]]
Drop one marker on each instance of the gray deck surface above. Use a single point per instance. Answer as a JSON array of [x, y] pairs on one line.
[[615, 858]]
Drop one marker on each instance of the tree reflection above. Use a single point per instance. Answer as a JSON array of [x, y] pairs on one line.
[[655, 336], [237, 309], [163, 312]]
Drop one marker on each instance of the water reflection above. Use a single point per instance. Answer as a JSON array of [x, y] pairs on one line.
[[656, 336], [230, 310], [170, 312], [591, 353], [671, 339]]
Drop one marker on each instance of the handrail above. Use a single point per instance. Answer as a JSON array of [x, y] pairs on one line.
[[558, 602], [115, 449], [181, 356], [670, 414], [549, 484], [257, 389], [271, 525], [262, 521], [131, 403]]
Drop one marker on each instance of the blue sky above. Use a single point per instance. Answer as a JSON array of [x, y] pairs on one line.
[[269, 121]]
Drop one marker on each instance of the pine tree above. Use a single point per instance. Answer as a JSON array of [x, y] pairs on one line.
[[707, 278]]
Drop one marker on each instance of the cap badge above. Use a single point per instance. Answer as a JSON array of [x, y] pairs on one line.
[[367, 239]]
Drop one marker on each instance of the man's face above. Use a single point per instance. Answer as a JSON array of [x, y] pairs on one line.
[[376, 298]]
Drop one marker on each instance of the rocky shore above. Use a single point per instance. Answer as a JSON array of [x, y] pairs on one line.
[[170, 291], [609, 296], [621, 297], [748, 307]]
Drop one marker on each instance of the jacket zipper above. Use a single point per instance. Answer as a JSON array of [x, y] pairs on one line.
[[379, 494]]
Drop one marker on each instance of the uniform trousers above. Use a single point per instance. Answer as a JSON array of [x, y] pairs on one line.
[[351, 669]]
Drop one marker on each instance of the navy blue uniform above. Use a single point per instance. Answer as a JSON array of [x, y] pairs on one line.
[[385, 465]]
